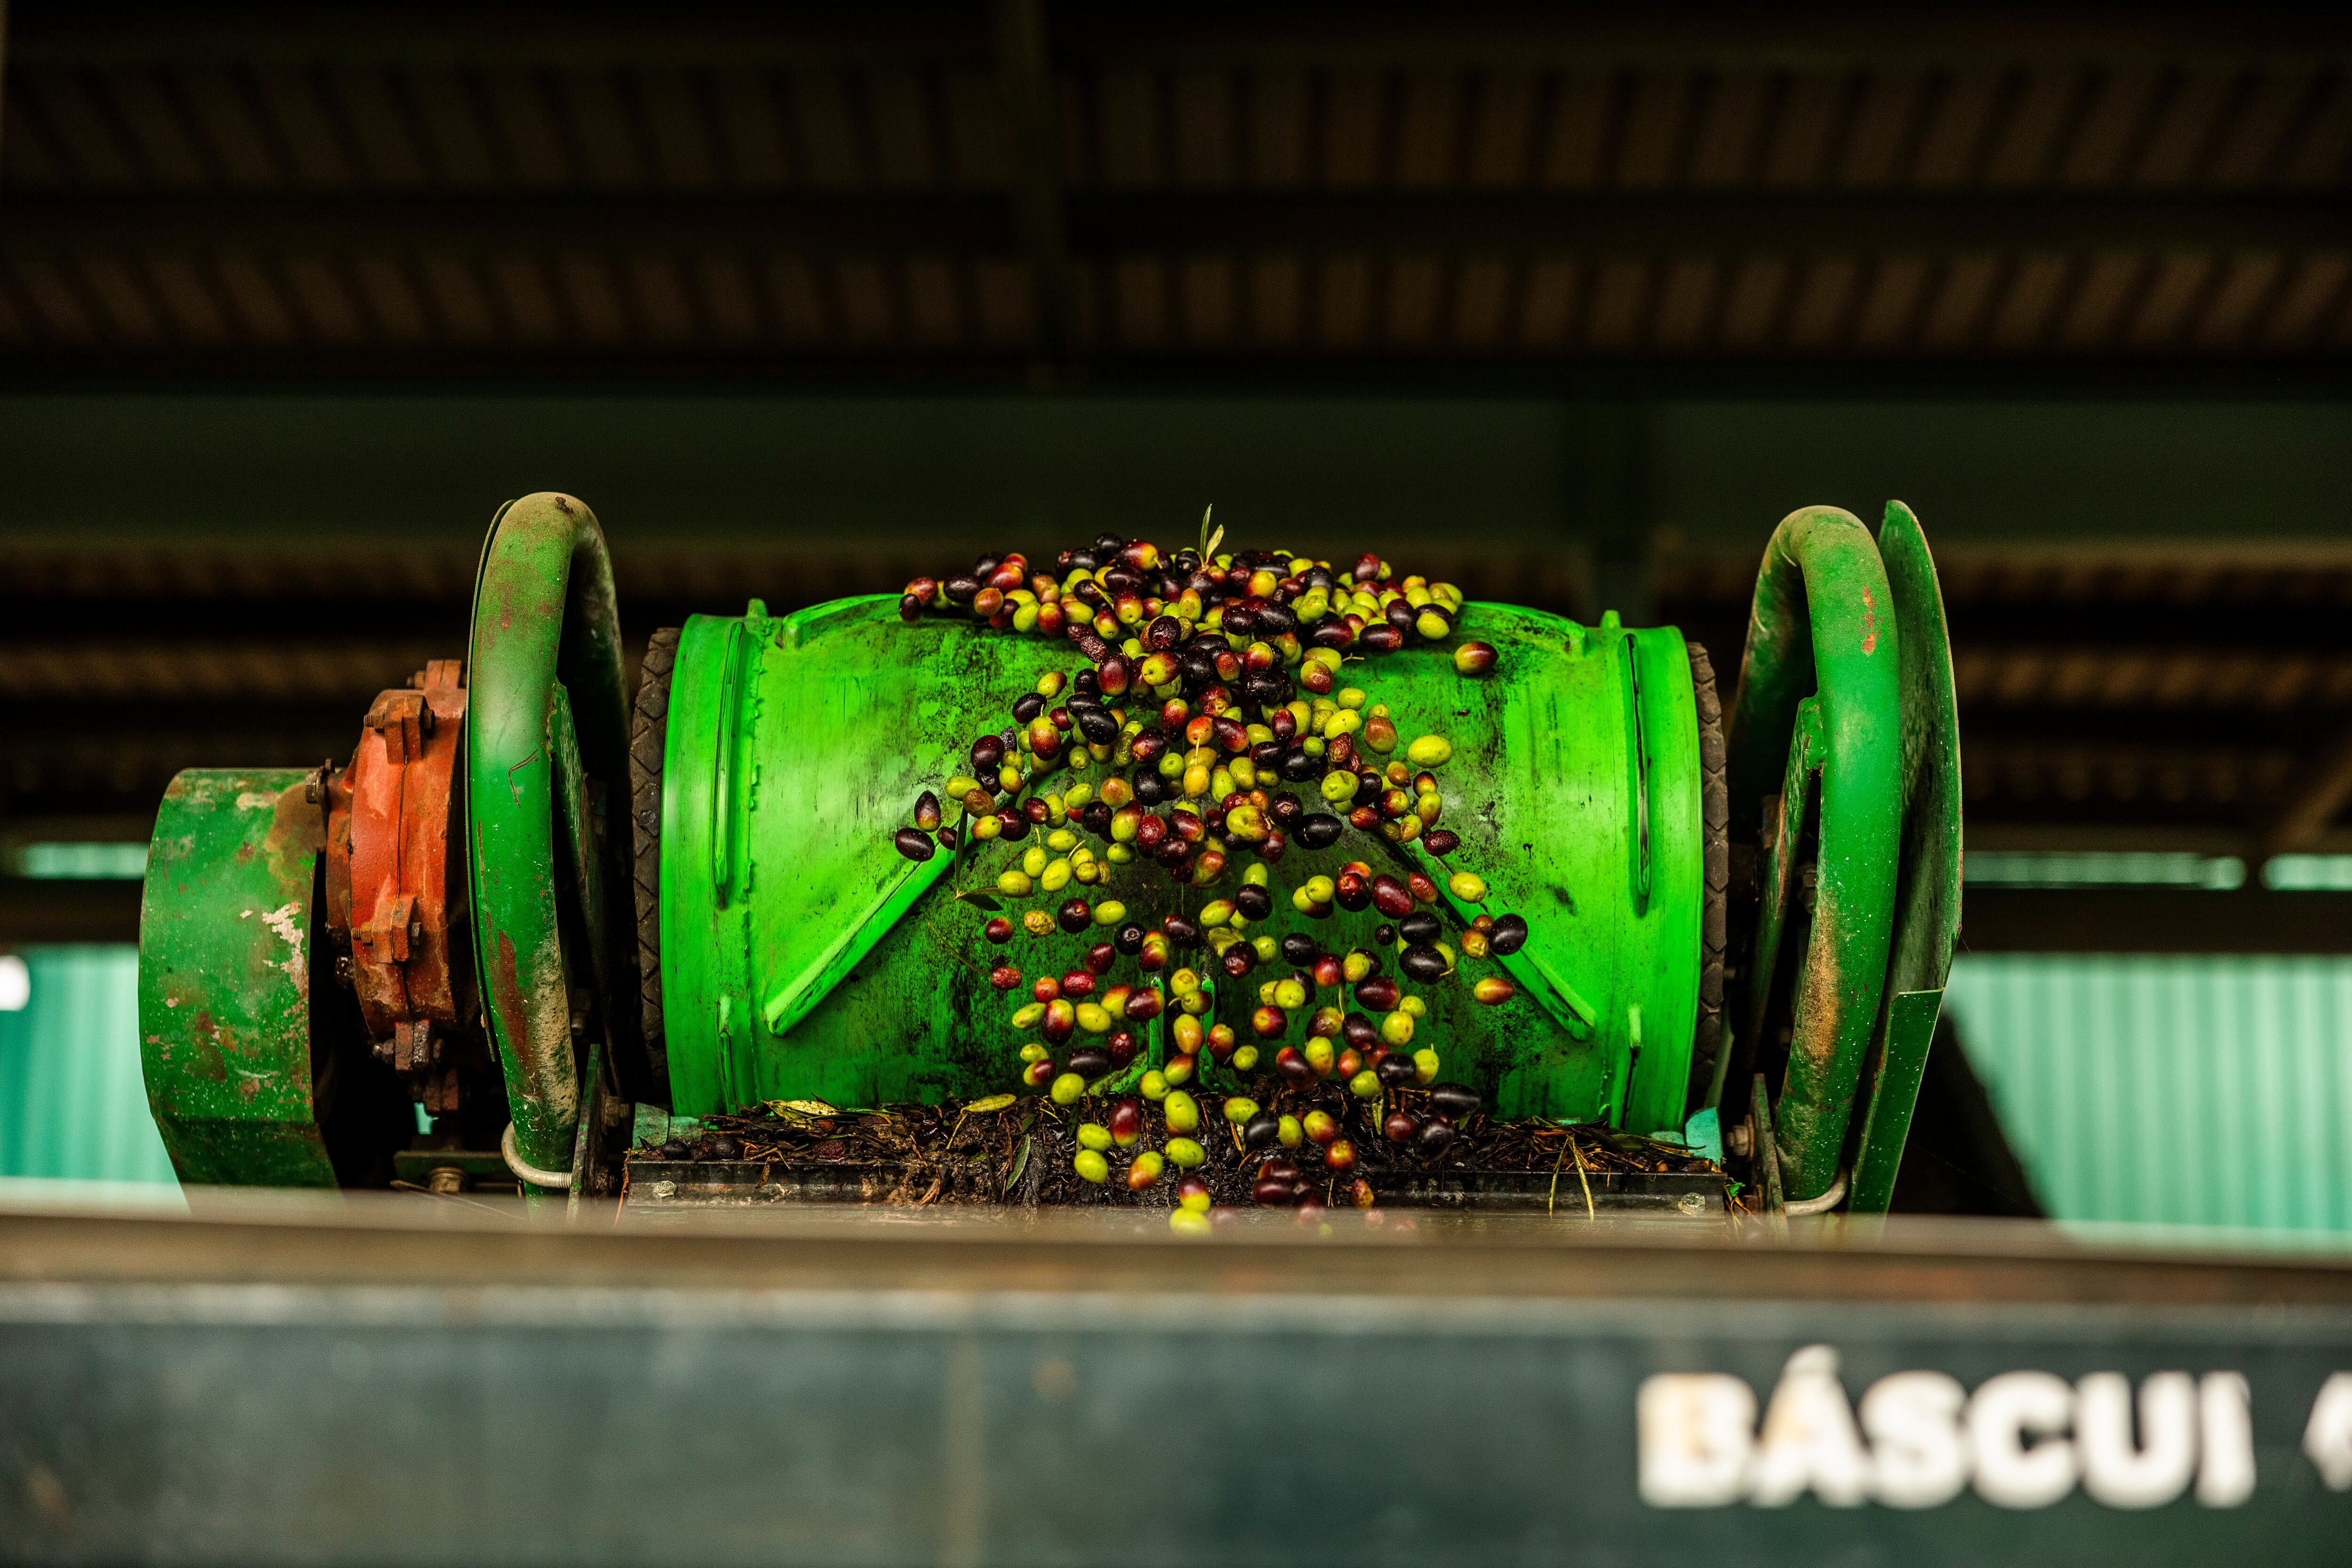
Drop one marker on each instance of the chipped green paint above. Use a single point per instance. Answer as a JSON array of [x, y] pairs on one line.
[[225, 953], [803, 957]]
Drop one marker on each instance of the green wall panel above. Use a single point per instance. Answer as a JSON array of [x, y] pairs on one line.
[[2197, 1091], [73, 1105]]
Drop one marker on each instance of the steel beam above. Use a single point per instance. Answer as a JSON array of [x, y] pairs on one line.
[[1382, 223]]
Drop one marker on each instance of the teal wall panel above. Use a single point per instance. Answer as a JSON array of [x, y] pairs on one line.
[[73, 1105], [2197, 1091]]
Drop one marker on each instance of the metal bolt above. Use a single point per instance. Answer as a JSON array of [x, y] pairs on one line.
[[444, 1179]]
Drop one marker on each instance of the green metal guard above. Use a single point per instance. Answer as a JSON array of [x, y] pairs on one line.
[[1817, 719], [543, 624]]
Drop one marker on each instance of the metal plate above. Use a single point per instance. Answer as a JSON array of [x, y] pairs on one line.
[[378, 1390]]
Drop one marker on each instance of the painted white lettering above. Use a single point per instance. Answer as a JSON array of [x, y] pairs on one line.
[[2225, 1470], [1697, 1432], [1809, 1442], [2149, 1473], [2017, 1423], [1913, 1421], [2327, 1436]]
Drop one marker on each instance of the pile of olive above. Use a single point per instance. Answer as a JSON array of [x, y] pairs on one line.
[[1212, 683]]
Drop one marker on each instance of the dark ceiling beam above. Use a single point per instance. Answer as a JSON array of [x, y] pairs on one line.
[[71, 33], [1386, 223], [1025, 72]]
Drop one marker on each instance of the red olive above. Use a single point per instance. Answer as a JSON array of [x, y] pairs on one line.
[[1360, 1193], [1340, 1155], [1005, 977], [1076, 984], [1441, 841], [1401, 1126], [1293, 1066], [914, 842], [1391, 896], [1273, 1194], [1377, 992], [1000, 931], [1268, 1022]]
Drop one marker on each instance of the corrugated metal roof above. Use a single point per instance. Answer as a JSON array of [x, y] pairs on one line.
[[2196, 1091], [1284, 181], [73, 1104]]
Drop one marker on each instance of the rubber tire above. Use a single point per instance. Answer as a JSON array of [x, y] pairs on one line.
[[648, 735], [1714, 812]]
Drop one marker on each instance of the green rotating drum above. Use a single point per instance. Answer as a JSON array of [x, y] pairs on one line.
[[801, 955]]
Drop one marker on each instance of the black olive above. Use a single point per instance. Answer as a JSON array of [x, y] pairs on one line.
[[1435, 1135], [1180, 932], [1128, 939], [1422, 964], [1453, 1100], [1150, 787], [1396, 1069], [1028, 707], [1419, 926], [1510, 935], [725, 1149], [1090, 1061], [675, 1148], [1319, 830], [1441, 841], [1097, 726], [1298, 948], [1253, 901], [1359, 1031], [1262, 1130], [914, 842]]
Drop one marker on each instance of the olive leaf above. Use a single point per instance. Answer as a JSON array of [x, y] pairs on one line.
[[1209, 542], [981, 902], [1020, 1164], [993, 1103]]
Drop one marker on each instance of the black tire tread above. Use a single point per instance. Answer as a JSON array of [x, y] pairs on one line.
[[1714, 811], [648, 735]]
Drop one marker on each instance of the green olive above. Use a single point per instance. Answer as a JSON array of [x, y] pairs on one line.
[[1154, 1085], [1468, 886], [1068, 1088], [1184, 1153], [1090, 1164], [1183, 1112], [1428, 751], [1093, 1136]]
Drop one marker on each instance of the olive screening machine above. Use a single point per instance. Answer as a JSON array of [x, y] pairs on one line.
[[564, 920]]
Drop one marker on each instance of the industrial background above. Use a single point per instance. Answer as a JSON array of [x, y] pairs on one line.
[[1570, 303]]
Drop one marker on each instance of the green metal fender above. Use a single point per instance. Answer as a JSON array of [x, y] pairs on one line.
[[1927, 896], [547, 706], [1817, 715]]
